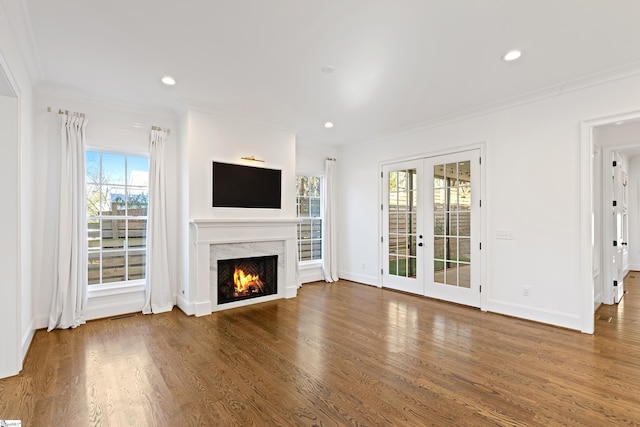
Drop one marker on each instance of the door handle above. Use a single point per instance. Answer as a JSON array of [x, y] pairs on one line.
[[420, 244]]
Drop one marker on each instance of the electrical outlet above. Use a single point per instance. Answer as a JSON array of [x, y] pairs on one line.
[[526, 291]]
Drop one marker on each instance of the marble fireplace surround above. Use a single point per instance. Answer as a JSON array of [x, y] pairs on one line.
[[214, 239]]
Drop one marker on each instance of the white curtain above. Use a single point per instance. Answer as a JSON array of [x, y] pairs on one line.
[[158, 295], [69, 294], [329, 229]]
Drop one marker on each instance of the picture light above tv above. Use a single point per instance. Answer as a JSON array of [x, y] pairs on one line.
[[238, 186]]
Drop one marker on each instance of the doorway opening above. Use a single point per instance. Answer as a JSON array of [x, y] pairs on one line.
[[610, 209]]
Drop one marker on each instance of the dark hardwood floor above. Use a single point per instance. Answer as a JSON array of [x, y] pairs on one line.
[[339, 354]]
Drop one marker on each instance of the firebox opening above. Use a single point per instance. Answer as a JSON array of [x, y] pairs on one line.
[[244, 278]]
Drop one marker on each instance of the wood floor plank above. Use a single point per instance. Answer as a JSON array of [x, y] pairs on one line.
[[338, 354]]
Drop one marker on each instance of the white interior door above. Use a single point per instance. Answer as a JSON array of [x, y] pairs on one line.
[[617, 258], [431, 227]]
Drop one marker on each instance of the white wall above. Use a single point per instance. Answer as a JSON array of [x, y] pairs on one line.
[[532, 188], [112, 127], [223, 139], [16, 169]]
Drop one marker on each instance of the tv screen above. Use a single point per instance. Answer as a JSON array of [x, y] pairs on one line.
[[238, 186]]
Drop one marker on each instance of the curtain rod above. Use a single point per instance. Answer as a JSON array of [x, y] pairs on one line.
[[61, 111], [162, 129]]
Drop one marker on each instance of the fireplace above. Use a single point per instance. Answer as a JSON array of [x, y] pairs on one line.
[[245, 278]]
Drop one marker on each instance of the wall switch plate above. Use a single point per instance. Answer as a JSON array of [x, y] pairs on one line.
[[504, 234], [526, 291]]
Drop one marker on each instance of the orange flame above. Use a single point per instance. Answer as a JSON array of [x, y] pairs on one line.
[[242, 281]]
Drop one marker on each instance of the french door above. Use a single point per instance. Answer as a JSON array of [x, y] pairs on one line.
[[431, 227]]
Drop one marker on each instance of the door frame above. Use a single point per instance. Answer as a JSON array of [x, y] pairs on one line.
[[586, 192], [486, 244]]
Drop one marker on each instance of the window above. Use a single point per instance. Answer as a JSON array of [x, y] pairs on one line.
[[308, 203], [117, 199]]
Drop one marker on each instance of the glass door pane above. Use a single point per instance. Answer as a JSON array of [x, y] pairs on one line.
[[452, 225], [402, 217]]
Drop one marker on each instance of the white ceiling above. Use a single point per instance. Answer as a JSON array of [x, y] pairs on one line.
[[397, 63]]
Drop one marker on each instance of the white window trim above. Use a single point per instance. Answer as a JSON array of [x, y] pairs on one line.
[[116, 288]]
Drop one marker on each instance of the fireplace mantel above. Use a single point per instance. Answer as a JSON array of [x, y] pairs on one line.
[[204, 233]]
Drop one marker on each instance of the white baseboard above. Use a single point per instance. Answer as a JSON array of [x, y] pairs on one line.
[[634, 267], [556, 318], [310, 275], [291, 292], [110, 309], [185, 306], [360, 278], [27, 338]]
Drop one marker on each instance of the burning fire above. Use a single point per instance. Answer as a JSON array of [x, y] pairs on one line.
[[246, 283]]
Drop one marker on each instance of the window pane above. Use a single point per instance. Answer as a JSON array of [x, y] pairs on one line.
[[438, 248], [93, 234], [316, 229], [438, 223], [113, 168], [451, 171], [305, 250], [402, 244], [464, 223], [113, 267], [439, 199], [316, 249], [137, 230], [465, 198], [304, 228], [303, 209], [94, 268], [92, 166], [452, 248], [438, 176], [315, 207], [464, 276], [93, 200], [393, 181], [113, 233], [412, 269], [452, 274], [393, 265], [314, 186], [137, 264], [137, 171], [453, 223], [464, 250], [438, 271], [137, 201]]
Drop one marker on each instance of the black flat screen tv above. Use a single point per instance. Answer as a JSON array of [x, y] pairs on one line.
[[238, 186]]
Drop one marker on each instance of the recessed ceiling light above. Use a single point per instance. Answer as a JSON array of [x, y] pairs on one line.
[[328, 69], [618, 123], [512, 55], [168, 80], [328, 125]]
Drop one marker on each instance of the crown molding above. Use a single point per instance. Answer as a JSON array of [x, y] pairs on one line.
[[559, 89], [22, 30]]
